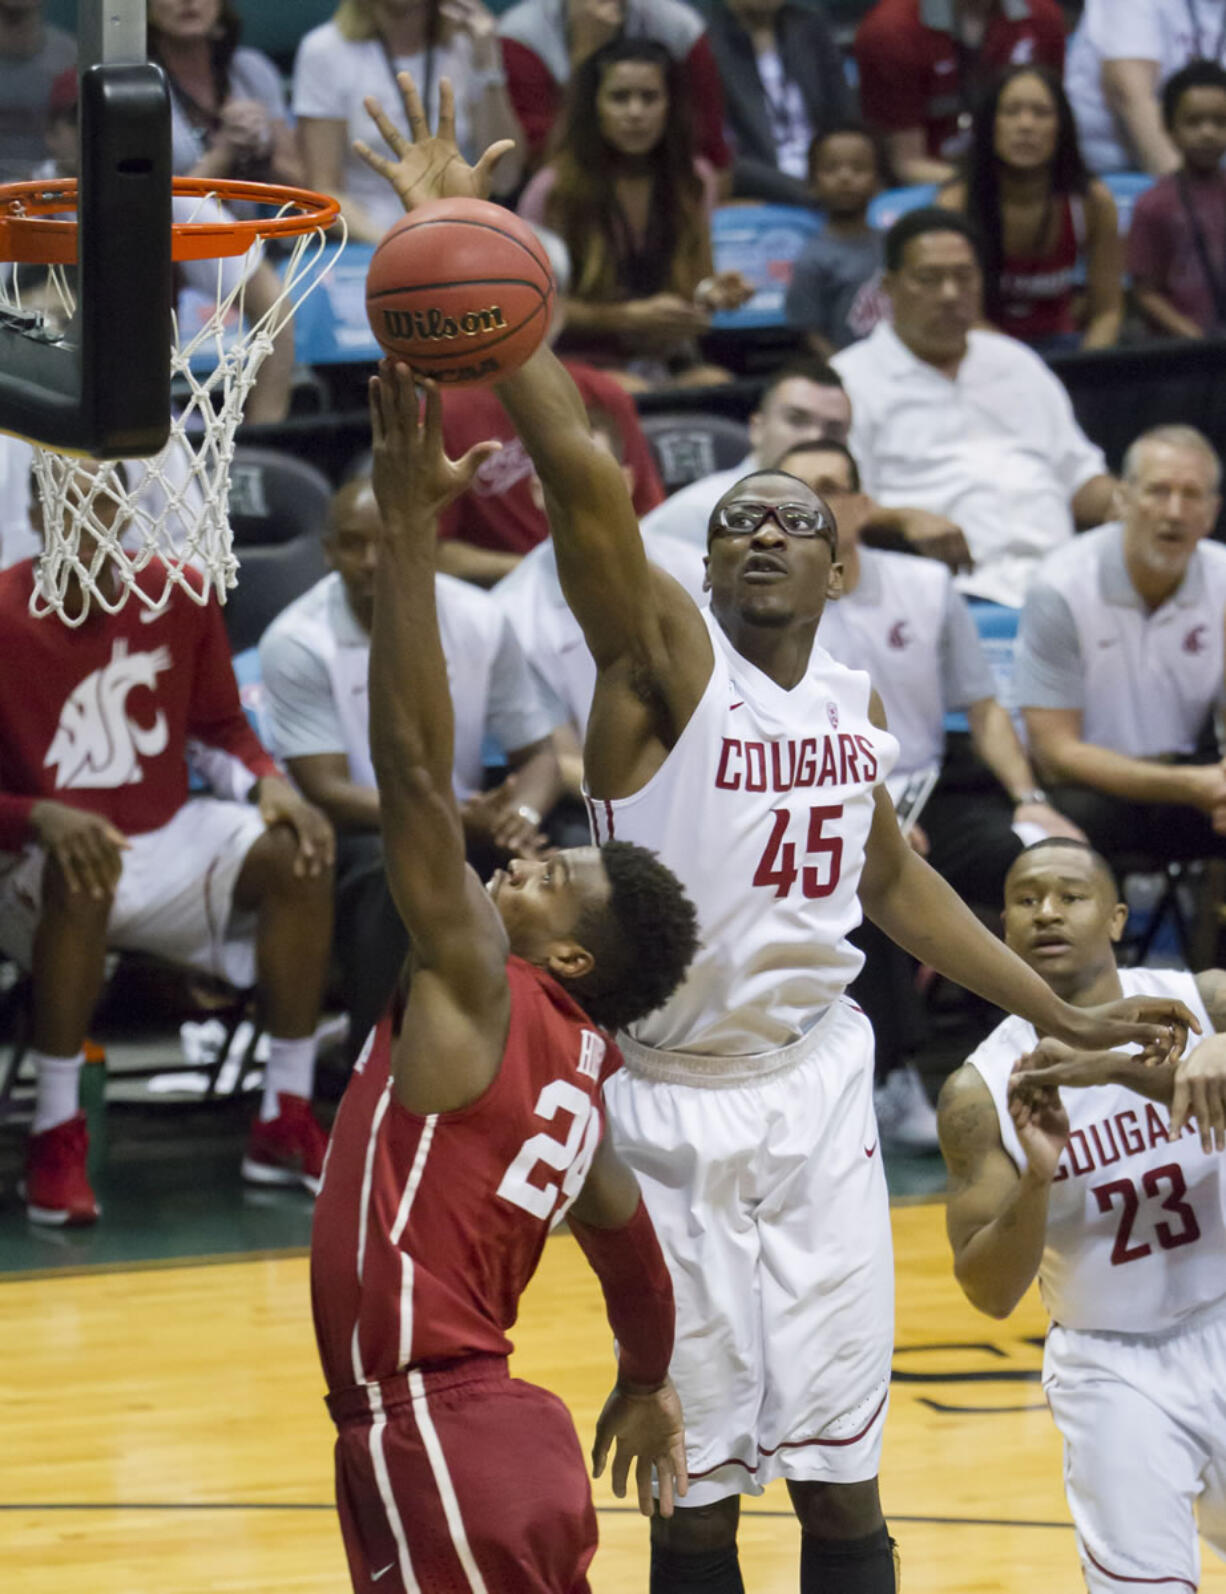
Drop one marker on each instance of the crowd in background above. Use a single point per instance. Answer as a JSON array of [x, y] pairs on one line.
[[914, 396]]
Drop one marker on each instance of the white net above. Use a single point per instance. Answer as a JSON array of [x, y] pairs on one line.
[[144, 528]]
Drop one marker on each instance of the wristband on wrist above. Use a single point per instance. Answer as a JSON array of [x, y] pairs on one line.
[[1023, 799]]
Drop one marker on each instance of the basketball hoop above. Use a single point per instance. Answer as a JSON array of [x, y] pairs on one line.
[[174, 507]]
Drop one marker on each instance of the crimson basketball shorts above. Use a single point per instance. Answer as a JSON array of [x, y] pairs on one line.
[[1143, 1419], [769, 1200], [462, 1481]]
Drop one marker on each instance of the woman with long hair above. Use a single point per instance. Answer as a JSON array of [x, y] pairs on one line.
[[228, 115], [1038, 211], [357, 55], [633, 205]]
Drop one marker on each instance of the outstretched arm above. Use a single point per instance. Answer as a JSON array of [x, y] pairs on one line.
[[926, 917], [996, 1214], [455, 1023], [643, 1413], [650, 645]]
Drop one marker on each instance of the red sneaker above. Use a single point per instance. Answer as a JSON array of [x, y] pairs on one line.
[[56, 1186], [287, 1149]]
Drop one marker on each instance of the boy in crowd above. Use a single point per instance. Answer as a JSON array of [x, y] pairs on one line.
[[1177, 245], [836, 294]]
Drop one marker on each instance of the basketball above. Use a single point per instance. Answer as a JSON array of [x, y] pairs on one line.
[[461, 290]]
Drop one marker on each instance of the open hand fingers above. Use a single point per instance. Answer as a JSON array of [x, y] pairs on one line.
[[446, 110], [622, 1458], [419, 126], [484, 169], [642, 1481], [388, 131]]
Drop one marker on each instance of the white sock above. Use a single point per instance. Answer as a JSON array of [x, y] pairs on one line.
[[57, 1089], [290, 1071]]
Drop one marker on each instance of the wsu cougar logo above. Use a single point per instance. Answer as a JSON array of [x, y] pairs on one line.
[[96, 742]]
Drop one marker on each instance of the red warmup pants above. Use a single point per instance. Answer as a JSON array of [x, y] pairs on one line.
[[462, 1481]]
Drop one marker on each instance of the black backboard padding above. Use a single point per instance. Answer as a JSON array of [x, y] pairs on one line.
[[105, 390]]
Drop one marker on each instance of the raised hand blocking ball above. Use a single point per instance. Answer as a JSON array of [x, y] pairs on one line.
[[461, 290]]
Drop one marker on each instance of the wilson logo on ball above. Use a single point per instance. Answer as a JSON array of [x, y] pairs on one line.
[[432, 326]]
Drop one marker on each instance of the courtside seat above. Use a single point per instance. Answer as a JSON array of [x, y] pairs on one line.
[[688, 444], [278, 511]]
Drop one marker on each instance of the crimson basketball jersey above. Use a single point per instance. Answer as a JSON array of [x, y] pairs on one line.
[[1136, 1240], [762, 810], [428, 1228], [101, 715]]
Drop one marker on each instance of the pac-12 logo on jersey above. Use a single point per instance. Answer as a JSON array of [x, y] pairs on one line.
[[97, 743]]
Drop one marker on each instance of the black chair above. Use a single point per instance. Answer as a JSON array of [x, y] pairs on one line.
[[278, 512], [688, 444]]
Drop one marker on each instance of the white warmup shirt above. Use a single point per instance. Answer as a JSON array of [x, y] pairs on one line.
[[911, 630], [997, 449], [334, 75], [315, 658], [686, 512], [1135, 1235], [1144, 683], [762, 809], [532, 600], [1168, 32]]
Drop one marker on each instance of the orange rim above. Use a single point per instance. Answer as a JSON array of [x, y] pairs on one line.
[[34, 231]]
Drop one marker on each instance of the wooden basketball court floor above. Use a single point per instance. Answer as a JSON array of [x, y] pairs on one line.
[[164, 1434]]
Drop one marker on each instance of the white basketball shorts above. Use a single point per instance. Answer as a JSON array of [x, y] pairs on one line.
[[770, 1202], [175, 896], [1143, 1417]]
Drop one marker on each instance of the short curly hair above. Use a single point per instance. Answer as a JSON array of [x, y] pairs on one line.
[[642, 939]]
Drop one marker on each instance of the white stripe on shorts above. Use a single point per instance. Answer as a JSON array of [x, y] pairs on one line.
[[382, 1478], [438, 1465]]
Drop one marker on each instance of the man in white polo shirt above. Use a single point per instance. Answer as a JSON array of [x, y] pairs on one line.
[[803, 400], [902, 620], [314, 660], [1120, 657], [967, 424]]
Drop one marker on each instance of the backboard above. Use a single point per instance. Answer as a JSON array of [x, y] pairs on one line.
[[101, 386]]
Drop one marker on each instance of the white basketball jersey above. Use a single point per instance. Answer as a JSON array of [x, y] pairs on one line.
[[762, 809], [1135, 1234]]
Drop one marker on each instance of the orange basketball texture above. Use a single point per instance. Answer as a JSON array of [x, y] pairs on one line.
[[461, 290]]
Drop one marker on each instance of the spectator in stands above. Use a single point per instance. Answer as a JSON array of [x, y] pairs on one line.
[[783, 84], [543, 41], [1177, 242], [485, 533], [835, 293], [967, 423], [33, 53], [32, 56], [1027, 193], [104, 849], [903, 621], [633, 205], [18, 538], [923, 61], [358, 54], [1120, 655], [227, 105], [804, 400], [313, 662], [269, 399], [1119, 58]]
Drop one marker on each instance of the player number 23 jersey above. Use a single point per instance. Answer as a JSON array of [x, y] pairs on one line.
[[1135, 1237]]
